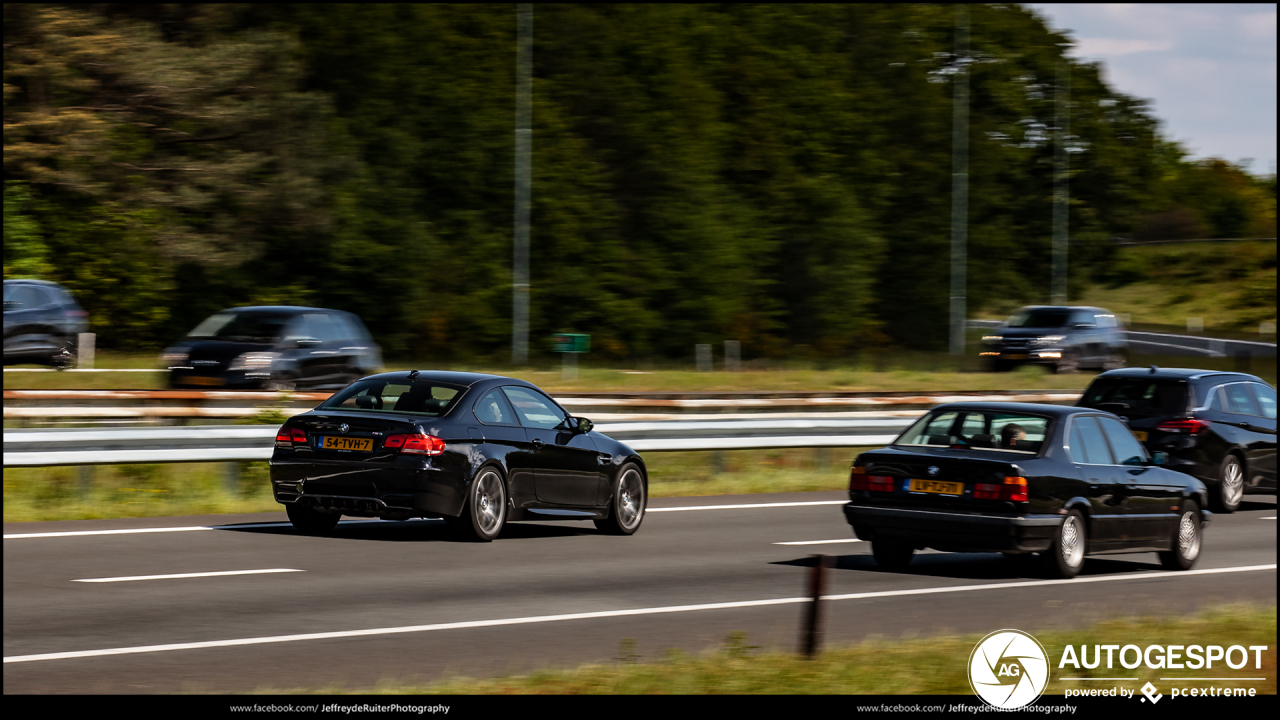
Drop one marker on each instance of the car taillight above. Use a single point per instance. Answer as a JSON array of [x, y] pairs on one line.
[[287, 436], [986, 491], [1014, 489], [415, 444], [876, 483], [1184, 426]]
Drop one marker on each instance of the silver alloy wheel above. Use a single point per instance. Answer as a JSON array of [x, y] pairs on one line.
[[1072, 544], [1232, 483], [491, 501], [630, 501], [1188, 536]]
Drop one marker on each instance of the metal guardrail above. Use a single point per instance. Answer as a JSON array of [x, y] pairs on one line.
[[212, 443]]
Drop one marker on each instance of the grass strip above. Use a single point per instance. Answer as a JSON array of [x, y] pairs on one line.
[[931, 666]]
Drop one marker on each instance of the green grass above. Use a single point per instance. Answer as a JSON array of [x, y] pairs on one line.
[[933, 666], [126, 491]]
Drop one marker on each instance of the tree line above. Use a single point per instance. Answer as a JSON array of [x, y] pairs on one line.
[[774, 174]]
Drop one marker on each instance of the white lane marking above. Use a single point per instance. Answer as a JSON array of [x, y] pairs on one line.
[[190, 528], [1273, 517], [743, 507], [819, 542], [604, 614], [188, 575], [73, 533]]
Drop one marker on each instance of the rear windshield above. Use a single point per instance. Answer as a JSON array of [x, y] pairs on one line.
[[241, 327], [1039, 319], [417, 398], [978, 429], [1137, 396]]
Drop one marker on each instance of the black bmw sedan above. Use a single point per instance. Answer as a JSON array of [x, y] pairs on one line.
[[1021, 478], [476, 450]]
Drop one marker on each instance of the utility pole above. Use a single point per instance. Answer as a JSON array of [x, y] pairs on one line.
[[524, 162], [960, 182], [1060, 198]]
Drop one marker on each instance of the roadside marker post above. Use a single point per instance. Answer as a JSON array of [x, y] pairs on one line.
[[811, 631]]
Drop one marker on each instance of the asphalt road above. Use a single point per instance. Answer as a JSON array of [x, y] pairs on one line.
[[429, 606]]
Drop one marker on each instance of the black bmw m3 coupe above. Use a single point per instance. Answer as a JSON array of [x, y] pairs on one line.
[[476, 450]]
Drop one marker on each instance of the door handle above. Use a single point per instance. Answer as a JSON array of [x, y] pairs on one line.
[[538, 442]]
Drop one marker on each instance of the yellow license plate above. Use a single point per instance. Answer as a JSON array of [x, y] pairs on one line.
[[937, 486], [197, 380], [1140, 434], [1016, 356], [346, 443]]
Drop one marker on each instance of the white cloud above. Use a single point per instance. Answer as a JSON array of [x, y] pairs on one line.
[[1110, 47]]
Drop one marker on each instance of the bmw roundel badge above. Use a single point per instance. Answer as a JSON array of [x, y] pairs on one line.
[[933, 469], [344, 427]]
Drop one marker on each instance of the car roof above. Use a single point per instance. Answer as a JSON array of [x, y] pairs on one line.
[[1035, 408], [452, 377], [277, 309], [1174, 373], [1063, 307], [31, 281]]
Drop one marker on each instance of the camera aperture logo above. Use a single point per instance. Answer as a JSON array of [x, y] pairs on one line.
[[1008, 669]]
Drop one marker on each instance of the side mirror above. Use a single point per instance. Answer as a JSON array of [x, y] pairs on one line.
[[1159, 458], [584, 425]]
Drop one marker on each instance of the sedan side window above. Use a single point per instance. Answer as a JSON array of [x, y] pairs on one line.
[[1126, 447], [1216, 400], [493, 409], [534, 409], [1266, 398], [1087, 444], [1241, 400]]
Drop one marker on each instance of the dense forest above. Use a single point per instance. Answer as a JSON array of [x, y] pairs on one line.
[[775, 174]]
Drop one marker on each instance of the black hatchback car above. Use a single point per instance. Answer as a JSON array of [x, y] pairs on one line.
[[273, 348], [1021, 478], [1065, 339], [476, 450], [40, 320], [1217, 426]]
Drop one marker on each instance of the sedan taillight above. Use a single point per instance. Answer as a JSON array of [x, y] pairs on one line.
[[289, 436], [416, 444], [1184, 426]]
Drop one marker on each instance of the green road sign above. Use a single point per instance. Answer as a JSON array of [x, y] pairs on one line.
[[571, 342]]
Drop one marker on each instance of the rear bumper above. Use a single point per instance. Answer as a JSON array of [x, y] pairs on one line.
[[407, 488], [953, 532]]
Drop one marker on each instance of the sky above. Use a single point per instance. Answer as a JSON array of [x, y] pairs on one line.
[[1209, 70]]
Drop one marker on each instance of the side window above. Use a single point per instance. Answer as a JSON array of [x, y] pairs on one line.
[[1266, 398], [1127, 449], [1216, 399], [493, 409], [325, 328], [1087, 444], [1240, 400], [351, 328], [1105, 321], [534, 409], [1082, 316]]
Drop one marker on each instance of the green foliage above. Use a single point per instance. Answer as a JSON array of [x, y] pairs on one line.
[[777, 175]]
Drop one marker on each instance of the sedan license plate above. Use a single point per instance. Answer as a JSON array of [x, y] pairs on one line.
[[1141, 435], [937, 487], [1016, 356], [199, 380], [346, 443]]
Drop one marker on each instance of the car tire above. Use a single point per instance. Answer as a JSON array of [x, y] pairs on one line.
[[1068, 364], [1065, 555], [891, 557], [1227, 493], [628, 503], [485, 513], [311, 521], [1187, 538]]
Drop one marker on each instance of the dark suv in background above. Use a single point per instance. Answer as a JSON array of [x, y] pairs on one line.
[[1217, 426], [1063, 338], [273, 348], [40, 319]]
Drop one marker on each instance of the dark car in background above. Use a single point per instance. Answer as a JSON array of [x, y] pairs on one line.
[[40, 320], [1021, 478], [476, 450], [1065, 339], [1217, 426], [275, 348]]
